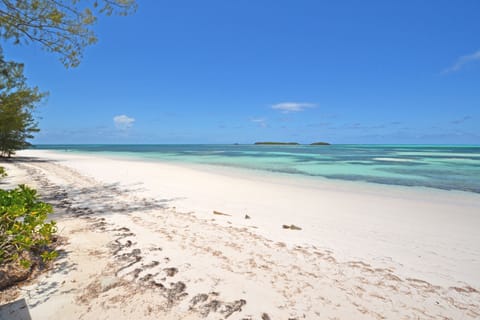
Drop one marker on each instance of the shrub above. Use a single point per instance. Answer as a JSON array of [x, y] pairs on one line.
[[3, 174], [23, 227]]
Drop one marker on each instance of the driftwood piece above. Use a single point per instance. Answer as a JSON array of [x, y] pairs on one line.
[[221, 213], [291, 227]]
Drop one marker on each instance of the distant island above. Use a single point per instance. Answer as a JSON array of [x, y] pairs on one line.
[[277, 143], [290, 143]]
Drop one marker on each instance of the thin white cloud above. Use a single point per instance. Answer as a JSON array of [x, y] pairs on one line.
[[287, 107], [123, 122], [463, 60], [461, 120], [260, 121]]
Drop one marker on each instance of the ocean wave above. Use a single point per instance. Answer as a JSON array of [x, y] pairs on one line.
[[395, 159]]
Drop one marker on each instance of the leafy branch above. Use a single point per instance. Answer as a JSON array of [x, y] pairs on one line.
[[62, 27]]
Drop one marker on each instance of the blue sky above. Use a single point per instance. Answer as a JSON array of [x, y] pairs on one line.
[[217, 71]]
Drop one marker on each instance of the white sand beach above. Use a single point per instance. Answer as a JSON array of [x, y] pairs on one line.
[[142, 242]]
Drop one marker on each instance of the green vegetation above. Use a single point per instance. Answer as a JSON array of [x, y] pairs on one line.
[[277, 143], [26, 236], [3, 174], [17, 103], [320, 144], [63, 27], [23, 227]]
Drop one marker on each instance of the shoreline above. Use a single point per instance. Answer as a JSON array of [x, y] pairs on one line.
[[387, 166], [355, 244], [359, 186]]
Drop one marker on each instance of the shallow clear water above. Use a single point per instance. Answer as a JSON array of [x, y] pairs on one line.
[[435, 166]]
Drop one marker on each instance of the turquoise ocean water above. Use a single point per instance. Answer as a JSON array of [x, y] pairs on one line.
[[434, 166]]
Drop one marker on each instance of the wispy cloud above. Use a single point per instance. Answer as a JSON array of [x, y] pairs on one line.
[[461, 120], [364, 127], [318, 124], [260, 121], [463, 60], [287, 107], [123, 122]]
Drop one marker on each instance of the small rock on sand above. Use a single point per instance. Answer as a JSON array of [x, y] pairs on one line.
[[265, 316], [291, 227]]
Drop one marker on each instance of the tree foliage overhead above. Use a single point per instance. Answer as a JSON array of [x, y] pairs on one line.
[[17, 103], [63, 27]]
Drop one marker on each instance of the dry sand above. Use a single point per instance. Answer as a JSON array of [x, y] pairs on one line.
[[143, 243]]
